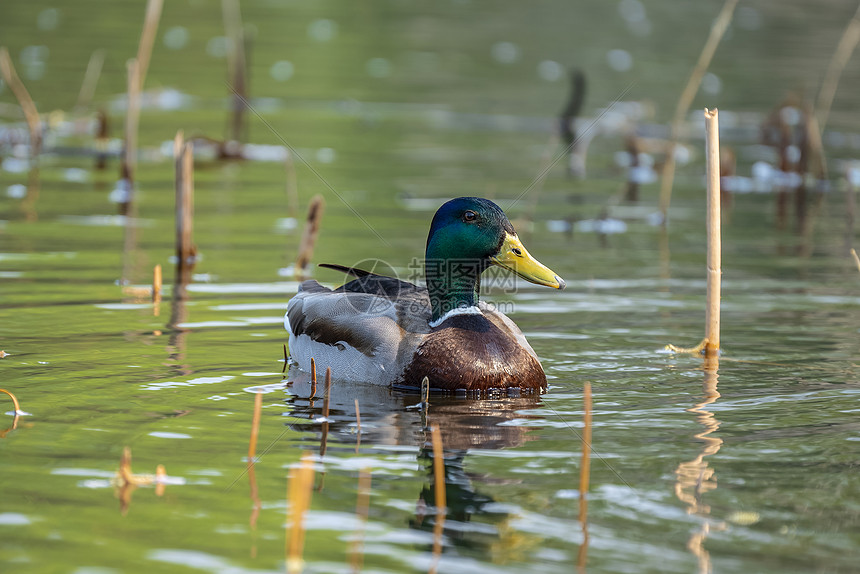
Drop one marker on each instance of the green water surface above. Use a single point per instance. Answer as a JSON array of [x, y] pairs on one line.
[[395, 106]]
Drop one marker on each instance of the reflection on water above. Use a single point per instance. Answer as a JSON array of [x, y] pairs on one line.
[[472, 521], [695, 477], [398, 420]]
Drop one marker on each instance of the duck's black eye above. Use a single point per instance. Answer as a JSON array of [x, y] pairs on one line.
[[470, 216]]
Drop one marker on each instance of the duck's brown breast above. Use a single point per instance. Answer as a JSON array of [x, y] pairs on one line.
[[474, 352]]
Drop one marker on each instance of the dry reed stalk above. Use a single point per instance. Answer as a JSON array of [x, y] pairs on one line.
[[236, 66], [292, 185], [357, 427], [252, 475], [425, 392], [814, 145], [834, 69], [850, 211], [441, 500], [185, 251], [585, 467], [313, 378], [31, 114], [125, 476], [156, 290], [584, 478], [711, 343], [298, 501], [718, 29], [712, 315], [326, 402], [14, 400], [255, 427], [102, 139], [309, 235], [17, 413], [357, 418], [147, 37], [126, 481], [91, 79], [856, 259], [362, 509], [160, 480]]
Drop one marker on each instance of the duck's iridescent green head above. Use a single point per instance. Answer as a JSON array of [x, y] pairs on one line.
[[467, 235]]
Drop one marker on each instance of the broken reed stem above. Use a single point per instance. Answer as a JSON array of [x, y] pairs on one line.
[[156, 290], [718, 29], [255, 427], [31, 114], [711, 343], [362, 509], [309, 235], [236, 66], [313, 378], [712, 313], [14, 401], [439, 489], [834, 69], [358, 412], [126, 477], [91, 79], [147, 37], [298, 501]]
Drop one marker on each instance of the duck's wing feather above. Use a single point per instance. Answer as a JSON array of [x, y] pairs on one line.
[[373, 314]]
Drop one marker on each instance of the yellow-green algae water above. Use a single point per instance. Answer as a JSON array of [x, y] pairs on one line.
[[398, 106]]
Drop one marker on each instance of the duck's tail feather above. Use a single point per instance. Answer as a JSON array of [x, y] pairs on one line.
[[358, 273]]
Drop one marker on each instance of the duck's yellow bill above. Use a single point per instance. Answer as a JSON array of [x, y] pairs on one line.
[[514, 256]]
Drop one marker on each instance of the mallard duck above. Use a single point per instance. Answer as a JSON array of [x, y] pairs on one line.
[[384, 330]]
